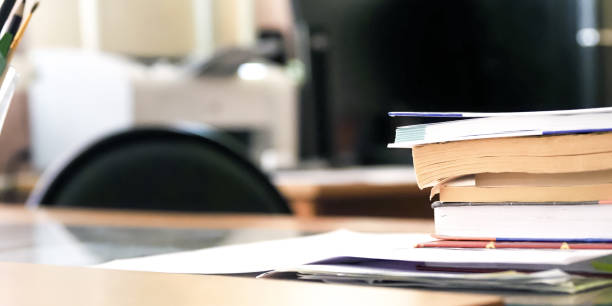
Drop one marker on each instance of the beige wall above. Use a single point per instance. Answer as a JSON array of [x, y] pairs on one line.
[[146, 27], [56, 24], [233, 23]]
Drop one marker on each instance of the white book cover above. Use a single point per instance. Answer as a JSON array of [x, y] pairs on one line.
[[503, 126]]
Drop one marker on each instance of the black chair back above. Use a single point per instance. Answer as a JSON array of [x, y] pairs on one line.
[[161, 168]]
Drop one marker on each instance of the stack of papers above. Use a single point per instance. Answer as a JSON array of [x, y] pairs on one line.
[[389, 260], [554, 280]]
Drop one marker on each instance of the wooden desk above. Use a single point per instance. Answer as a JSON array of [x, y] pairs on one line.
[[84, 237], [36, 284], [359, 191], [27, 284], [12, 214], [35, 236]]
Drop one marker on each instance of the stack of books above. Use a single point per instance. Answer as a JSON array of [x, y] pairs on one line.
[[538, 177]]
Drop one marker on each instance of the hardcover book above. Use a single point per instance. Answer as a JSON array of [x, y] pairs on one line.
[[513, 221]]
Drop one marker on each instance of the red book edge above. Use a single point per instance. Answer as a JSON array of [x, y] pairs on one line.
[[491, 244]]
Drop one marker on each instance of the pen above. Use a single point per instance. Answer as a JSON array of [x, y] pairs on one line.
[[5, 11], [16, 20], [7, 38]]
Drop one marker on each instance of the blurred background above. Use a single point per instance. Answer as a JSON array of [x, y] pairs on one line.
[[303, 85]]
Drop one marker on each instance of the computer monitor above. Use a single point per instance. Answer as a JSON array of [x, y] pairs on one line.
[[364, 58]]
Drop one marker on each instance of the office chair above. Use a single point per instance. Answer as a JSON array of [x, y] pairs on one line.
[[160, 168]]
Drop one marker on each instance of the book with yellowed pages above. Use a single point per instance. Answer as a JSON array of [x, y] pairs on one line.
[[527, 187], [571, 153]]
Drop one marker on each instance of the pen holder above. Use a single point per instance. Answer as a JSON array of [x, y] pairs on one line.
[[7, 90]]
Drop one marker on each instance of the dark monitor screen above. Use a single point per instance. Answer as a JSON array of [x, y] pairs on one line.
[[365, 58]]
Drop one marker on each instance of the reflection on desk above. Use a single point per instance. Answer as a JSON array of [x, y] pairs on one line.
[[82, 237], [54, 243]]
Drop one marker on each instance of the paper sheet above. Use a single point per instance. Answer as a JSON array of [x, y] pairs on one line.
[[268, 255], [285, 253]]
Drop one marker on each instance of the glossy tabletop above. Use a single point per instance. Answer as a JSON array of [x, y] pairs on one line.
[[83, 237], [71, 239]]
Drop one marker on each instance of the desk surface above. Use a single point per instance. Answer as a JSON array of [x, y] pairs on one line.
[[70, 237], [27, 284], [83, 237], [59, 236], [365, 191], [13, 214]]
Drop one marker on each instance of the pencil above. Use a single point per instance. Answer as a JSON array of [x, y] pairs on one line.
[[5, 11], [22, 29]]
